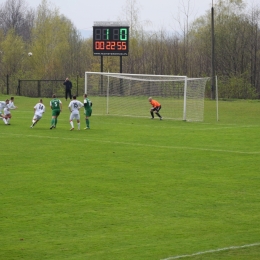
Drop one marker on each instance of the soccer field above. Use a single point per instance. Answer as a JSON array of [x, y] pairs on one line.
[[131, 188]]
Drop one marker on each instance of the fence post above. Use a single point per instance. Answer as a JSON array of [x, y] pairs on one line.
[[19, 88]]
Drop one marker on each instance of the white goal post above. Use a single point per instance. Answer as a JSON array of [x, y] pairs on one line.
[[123, 94]]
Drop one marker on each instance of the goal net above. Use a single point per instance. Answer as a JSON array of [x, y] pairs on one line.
[[181, 98]]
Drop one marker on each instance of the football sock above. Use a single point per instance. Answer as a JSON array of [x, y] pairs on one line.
[[55, 121], [78, 125], [71, 123], [87, 122], [158, 114], [152, 115]]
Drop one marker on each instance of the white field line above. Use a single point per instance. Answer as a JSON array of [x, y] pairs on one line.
[[136, 144], [219, 126], [211, 251], [183, 127], [206, 126]]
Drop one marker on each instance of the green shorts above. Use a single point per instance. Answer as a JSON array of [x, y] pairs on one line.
[[88, 112], [55, 112]]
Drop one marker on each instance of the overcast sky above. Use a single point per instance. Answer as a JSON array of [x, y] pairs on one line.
[[161, 13]]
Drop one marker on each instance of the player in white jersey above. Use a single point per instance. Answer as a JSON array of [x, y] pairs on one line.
[[74, 107], [39, 109], [3, 106], [7, 112], [11, 103]]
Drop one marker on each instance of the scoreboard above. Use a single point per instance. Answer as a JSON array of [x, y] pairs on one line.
[[110, 39]]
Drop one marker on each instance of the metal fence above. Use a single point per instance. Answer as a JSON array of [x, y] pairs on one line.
[[38, 87]]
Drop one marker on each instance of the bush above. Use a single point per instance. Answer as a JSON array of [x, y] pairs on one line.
[[236, 87]]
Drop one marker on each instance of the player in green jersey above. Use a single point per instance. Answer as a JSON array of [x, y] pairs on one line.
[[56, 107], [87, 109]]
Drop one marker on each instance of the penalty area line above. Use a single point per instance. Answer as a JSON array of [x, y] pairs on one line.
[[211, 251]]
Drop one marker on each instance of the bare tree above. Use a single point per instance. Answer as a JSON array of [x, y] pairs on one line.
[[14, 15]]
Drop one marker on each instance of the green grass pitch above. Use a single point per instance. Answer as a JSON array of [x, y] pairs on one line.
[[131, 188]]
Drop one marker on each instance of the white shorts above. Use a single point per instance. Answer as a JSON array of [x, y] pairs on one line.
[[74, 116], [37, 117]]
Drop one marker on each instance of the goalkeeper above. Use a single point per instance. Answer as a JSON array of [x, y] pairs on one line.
[[156, 107]]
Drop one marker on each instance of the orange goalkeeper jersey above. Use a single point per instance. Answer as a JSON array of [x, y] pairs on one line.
[[155, 103]]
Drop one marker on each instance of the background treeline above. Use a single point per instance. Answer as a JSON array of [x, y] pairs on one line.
[[59, 50]]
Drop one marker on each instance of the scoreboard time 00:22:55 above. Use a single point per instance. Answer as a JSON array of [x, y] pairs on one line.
[[110, 40]]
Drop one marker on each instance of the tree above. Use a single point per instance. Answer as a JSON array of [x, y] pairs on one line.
[[235, 41], [50, 43], [13, 53], [14, 15]]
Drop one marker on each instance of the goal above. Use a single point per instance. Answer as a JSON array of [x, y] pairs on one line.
[[120, 94]]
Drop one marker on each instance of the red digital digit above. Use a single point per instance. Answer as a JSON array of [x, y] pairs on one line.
[[124, 46], [99, 45], [119, 46], [108, 46], [113, 45]]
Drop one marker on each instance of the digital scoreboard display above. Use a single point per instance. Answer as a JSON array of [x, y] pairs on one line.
[[110, 40]]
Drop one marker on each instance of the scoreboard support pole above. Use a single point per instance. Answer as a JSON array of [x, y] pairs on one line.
[[101, 63], [121, 64], [101, 76], [121, 80]]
